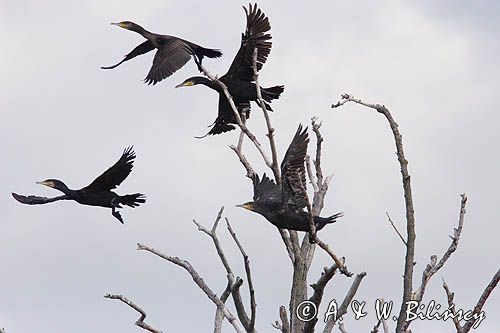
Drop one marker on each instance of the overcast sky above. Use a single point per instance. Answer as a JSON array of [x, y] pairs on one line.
[[436, 66]]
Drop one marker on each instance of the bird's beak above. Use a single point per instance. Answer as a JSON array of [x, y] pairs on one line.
[[49, 184], [119, 24], [247, 206], [185, 84]]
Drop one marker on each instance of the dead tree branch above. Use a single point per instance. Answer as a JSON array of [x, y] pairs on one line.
[[466, 327], [140, 322], [199, 282], [251, 290], [342, 310], [410, 215], [270, 130], [396, 229], [434, 265]]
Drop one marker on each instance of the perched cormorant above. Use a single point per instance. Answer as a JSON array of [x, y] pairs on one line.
[[284, 205], [98, 193], [239, 79], [172, 54]]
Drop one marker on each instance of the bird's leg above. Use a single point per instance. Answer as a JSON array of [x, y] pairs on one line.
[[198, 62], [116, 214]]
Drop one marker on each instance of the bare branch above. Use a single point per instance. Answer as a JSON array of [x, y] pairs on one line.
[[239, 152], [434, 265], [312, 177], [317, 296], [450, 296], [270, 130], [251, 290], [213, 235], [477, 309], [140, 322], [342, 328], [199, 281], [395, 229], [342, 310], [410, 216]]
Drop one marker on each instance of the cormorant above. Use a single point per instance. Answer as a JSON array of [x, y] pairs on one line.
[[239, 79], [284, 205], [172, 54], [98, 193]]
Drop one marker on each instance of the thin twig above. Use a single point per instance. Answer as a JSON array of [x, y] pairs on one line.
[[436, 265], [251, 290], [342, 310], [140, 322], [395, 229], [270, 129], [410, 216], [199, 281]]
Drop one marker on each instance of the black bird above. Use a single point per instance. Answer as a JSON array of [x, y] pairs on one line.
[[172, 54], [98, 193], [284, 205], [239, 79]]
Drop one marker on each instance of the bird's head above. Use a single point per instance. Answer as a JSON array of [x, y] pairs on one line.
[[125, 25], [248, 205], [54, 183], [192, 81]]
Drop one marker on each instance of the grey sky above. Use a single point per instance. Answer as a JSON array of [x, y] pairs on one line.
[[435, 66]]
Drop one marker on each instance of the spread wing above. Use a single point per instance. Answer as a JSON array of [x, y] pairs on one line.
[[171, 56], [226, 115], [115, 175], [265, 190], [140, 49], [34, 200], [293, 171], [254, 37]]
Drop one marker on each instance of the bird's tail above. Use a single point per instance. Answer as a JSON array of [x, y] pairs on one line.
[[322, 221], [132, 200], [211, 53], [268, 94]]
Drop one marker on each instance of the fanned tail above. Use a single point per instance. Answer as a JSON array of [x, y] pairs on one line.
[[268, 94], [322, 221], [132, 200]]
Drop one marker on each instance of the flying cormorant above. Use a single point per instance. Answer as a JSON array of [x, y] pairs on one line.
[[172, 54], [98, 193]]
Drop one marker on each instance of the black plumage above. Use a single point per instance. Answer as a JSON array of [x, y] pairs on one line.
[[172, 54], [239, 79], [98, 193], [284, 205]]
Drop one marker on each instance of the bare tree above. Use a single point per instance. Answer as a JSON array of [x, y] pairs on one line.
[[301, 250]]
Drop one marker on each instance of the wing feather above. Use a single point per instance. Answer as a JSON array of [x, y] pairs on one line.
[[255, 36], [293, 170], [265, 190], [115, 175], [35, 200], [171, 56]]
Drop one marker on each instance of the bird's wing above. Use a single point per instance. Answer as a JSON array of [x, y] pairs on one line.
[[171, 56], [254, 37], [140, 49], [115, 175], [226, 115], [293, 171], [34, 200], [265, 190]]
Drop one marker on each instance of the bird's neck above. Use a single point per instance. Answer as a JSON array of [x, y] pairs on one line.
[[64, 189], [208, 83], [141, 31]]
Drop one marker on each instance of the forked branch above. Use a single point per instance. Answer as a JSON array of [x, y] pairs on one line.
[[140, 322], [410, 215]]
